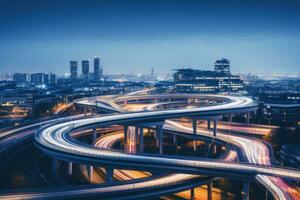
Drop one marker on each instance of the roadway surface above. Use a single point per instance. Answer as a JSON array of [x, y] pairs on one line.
[[56, 139], [254, 150], [107, 142]]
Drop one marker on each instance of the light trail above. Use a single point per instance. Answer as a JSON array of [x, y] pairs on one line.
[[55, 138], [252, 148], [108, 140], [256, 152]]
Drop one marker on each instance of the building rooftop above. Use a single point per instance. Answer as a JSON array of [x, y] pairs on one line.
[[222, 61]]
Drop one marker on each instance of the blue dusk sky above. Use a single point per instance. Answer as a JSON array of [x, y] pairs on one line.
[[258, 36]]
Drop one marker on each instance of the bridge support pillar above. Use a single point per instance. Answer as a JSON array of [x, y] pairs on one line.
[[136, 135], [161, 141], [70, 168], [141, 139], [247, 117], [89, 169], [149, 131], [214, 148], [245, 192], [208, 124], [192, 194], [175, 140], [230, 118], [94, 134], [159, 137], [215, 127], [125, 134], [54, 166], [156, 136], [84, 111], [109, 174], [209, 191], [194, 134]]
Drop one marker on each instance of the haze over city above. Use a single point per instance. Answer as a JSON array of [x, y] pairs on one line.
[[134, 36]]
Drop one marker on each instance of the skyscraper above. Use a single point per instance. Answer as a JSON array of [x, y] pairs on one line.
[[85, 64], [73, 70], [97, 69]]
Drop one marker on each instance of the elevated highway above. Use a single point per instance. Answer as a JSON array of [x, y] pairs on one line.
[[56, 142]]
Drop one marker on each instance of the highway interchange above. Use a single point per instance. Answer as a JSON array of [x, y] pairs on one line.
[[56, 140]]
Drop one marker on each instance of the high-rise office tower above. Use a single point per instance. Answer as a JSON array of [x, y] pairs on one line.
[[222, 65], [97, 69], [85, 64], [73, 70]]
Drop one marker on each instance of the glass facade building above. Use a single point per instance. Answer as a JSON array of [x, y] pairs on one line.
[[85, 64], [97, 69], [200, 81], [73, 70]]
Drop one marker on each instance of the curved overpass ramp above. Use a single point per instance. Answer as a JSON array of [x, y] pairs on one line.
[[57, 142]]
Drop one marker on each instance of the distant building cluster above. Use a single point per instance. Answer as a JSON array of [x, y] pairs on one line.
[[204, 81], [86, 75], [15, 104], [278, 100], [35, 78], [20, 103], [278, 97]]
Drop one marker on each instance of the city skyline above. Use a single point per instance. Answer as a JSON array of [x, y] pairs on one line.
[[135, 36], [78, 70]]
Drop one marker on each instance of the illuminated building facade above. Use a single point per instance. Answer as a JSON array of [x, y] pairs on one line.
[[200, 81]]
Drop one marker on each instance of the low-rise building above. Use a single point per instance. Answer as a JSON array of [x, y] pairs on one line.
[[21, 77], [38, 78], [15, 105], [280, 109]]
